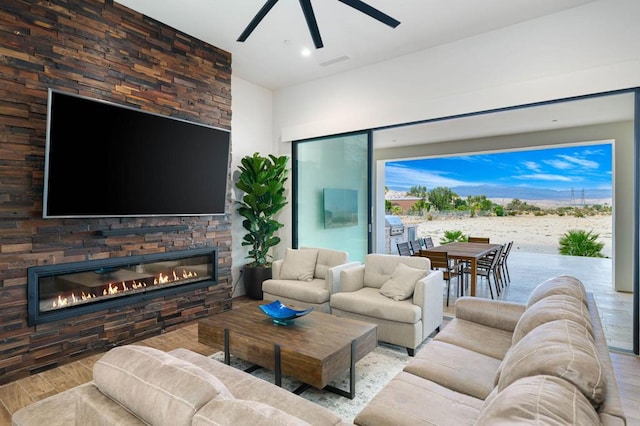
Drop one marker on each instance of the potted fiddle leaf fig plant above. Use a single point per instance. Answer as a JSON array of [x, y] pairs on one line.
[[261, 179]]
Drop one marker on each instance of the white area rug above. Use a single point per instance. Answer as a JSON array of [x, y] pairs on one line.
[[372, 373]]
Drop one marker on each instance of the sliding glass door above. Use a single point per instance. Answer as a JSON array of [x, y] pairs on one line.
[[331, 193]]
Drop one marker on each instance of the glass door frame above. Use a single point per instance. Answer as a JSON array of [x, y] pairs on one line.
[[295, 185]]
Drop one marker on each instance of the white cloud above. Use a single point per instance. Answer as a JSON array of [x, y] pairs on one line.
[[580, 161], [402, 177], [531, 165], [546, 177], [559, 164]]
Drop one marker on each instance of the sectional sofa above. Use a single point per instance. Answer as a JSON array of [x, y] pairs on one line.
[[500, 363]]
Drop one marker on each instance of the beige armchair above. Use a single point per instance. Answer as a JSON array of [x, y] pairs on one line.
[[307, 277], [399, 293]]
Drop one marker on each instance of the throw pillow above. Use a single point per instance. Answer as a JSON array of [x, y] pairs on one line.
[[299, 265], [538, 400], [402, 282]]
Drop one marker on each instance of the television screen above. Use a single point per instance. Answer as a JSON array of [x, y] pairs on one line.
[[340, 207], [106, 160]]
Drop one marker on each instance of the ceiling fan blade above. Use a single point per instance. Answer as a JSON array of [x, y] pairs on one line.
[[372, 11], [257, 19], [307, 9]]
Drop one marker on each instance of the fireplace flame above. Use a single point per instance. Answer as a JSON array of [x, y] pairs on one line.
[[117, 288]]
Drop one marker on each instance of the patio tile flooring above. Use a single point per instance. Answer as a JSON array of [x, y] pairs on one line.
[[527, 270]]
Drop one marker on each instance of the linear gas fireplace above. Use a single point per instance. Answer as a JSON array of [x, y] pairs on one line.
[[66, 290]]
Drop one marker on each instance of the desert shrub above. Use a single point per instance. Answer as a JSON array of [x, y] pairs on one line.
[[453, 236], [498, 210], [580, 243]]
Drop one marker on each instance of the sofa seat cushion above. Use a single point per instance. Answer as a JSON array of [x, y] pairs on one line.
[[562, 284], [551, 308], [247, 387], [232, 412], [456, 368], [488, 341], [157, 387], [313, 291], [560, 348], [368, 301], [538, 400], [93, 408], [299, 265], [409, 400]]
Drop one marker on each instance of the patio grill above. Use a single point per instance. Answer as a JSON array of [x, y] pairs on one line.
[[396, 227]]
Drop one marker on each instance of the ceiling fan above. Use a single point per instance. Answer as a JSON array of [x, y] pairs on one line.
[[310, 17]]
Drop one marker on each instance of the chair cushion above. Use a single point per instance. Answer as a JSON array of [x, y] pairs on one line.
[[242, 412], [560, 348], [402, 282], [551, 308], [327, 258], [538, 400], [299, 264], [313, 291], [369, 302], [155, 386], [562, 284]]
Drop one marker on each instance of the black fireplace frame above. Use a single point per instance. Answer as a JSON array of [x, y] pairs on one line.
[[34, 273]]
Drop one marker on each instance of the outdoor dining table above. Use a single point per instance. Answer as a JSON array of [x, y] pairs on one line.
[[468, 252]]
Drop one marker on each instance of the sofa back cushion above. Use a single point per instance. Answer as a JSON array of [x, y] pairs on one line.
[[155, 386], [551, 308], [327, 258], [538, 400], [299, 265], [560, 348], [232, 412], [378, 268], [562, 284]]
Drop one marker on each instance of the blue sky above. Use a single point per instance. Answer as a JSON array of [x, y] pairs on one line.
[[577, 167]]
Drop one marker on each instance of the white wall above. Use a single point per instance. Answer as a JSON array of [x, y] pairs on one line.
[[584, 50], [252, 130]]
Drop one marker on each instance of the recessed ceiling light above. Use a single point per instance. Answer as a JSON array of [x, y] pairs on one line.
[[305, 52]]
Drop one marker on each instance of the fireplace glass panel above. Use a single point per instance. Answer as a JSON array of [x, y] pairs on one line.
[[60, 289]]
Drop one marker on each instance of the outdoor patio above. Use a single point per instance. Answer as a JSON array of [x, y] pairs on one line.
[[527, 270]]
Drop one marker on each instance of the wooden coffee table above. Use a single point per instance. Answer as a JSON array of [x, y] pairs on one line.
[[315, 349]]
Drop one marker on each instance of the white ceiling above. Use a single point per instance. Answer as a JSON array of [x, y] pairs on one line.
[[271, 55], [583, 112]]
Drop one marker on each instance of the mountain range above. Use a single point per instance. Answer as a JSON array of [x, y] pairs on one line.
[[527, 193]]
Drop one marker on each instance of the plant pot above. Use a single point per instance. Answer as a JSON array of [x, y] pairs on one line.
[[253, 278]]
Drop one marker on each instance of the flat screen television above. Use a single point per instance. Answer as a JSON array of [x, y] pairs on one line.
[[340, 207], [107, 160]]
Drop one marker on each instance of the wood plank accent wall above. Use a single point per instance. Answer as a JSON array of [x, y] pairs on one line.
[[99, 49]]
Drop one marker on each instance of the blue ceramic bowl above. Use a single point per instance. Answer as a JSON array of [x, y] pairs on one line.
[[281, 313]]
